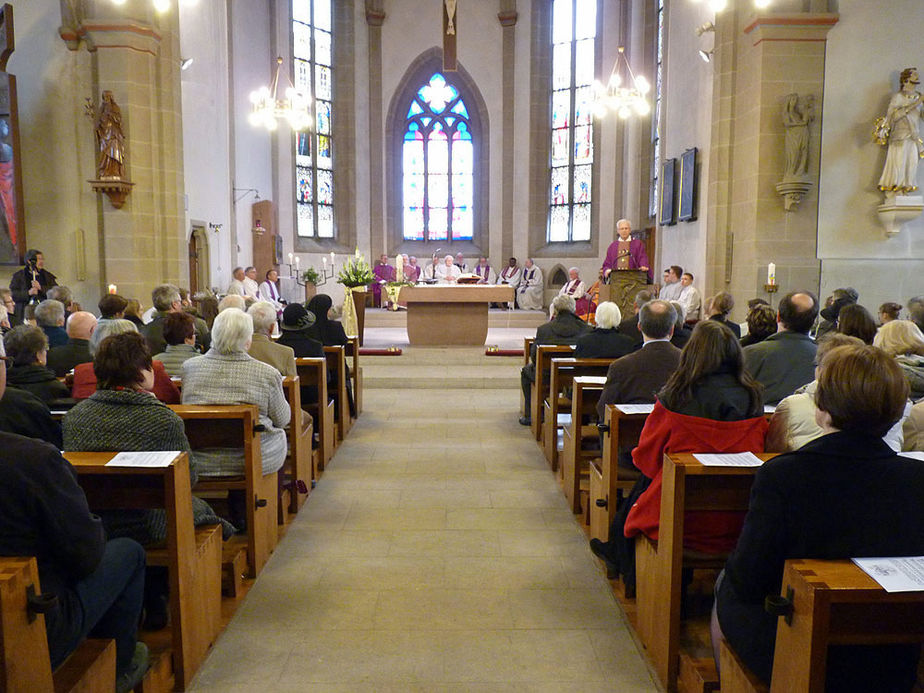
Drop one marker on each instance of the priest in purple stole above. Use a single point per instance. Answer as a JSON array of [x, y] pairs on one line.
[[483, 270], [383, 273], [626, 252]]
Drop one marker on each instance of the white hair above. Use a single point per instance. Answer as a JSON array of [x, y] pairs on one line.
[[563, 303], [108, 328], [448, 257], [263, 315], [623, 220], [608, 315], [232, 331], [232, 301], [573, 269], [49, 312]]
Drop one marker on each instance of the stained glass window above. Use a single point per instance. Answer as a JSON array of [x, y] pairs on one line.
[[312, 46], [438, 160], [574, 31]]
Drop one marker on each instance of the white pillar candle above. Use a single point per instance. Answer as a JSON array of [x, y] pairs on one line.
[[771, 274], [290, 258]]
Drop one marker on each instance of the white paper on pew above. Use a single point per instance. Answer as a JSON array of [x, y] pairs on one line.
[[730, 459], [635, 408], [913, 454], [143, 459], [591, 379], [769, 408], [895, 574]]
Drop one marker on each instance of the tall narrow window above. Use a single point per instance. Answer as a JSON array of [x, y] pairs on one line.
[[437, 155], [656, 116], [574, 31], [314, 177]]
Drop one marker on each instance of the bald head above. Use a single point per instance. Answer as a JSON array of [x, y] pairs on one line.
[[81, 325], [798, 311]]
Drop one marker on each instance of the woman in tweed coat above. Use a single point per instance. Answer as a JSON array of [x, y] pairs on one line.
[[227, 374]]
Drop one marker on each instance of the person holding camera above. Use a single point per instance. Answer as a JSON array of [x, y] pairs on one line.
[[31, 283]]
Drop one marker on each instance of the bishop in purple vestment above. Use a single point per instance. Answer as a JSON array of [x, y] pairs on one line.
[[383, 273]]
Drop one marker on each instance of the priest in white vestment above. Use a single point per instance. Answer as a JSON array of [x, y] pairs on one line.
[[447, 273], [251, 288], [529, 292], [576, 289]]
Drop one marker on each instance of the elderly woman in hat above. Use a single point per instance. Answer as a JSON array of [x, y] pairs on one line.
[[298, 332]]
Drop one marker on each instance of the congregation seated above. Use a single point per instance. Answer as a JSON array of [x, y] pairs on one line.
[[132, 312], [904, 341], [297, 332], [262, 348], [27, 348], [9, 304], [98, 582], [49, 315], [85, 376], [889, 311], [564, 328], [719, 307], [179, 332], [682, 331], [855, 321], [843, 495], [62, 359], [708, 404], [232, 301], [629, 325], [786, 360], [226, 374], [330, 333], [604, 341], [112, 307], [65, 297], [761, 322], [166, 299], [827, 317], [124, 415], [206, 306]]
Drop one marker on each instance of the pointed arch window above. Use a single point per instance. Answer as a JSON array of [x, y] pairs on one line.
[[437, 164]]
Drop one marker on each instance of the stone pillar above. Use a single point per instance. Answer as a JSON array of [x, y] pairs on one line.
[[375, 17], [137, 58], [508, 20], [759, 60]]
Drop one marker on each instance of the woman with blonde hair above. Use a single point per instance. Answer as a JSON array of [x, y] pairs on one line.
[[903, 340]]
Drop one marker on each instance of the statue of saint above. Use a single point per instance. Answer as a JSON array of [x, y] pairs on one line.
[[797, 115], [111, 142], [900, 130]]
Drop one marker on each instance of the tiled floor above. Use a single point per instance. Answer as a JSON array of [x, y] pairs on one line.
[[436, 554]]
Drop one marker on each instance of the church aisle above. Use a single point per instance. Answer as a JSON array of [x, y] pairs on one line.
[[435, 554]]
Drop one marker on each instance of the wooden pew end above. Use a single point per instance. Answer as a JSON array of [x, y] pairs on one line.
[[233, 566], [736, 677], [697, 675], [91, 667]]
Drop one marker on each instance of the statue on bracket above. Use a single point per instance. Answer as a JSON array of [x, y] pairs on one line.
[[899, 130], [110, 147], [798, 114]]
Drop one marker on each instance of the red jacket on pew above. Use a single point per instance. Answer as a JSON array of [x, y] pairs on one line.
[[85, 383], [667, 432]]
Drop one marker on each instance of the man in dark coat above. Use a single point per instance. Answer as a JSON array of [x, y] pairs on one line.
[[62, 359], [629, 326], [166, 299], [564, 328]]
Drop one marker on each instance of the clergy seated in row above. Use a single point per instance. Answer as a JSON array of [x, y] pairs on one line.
[[564, 328], [708, 404], [383, 273], [576, 289], [269, 291], [461, 263], [123, 415], [85, 376], [62, 359], [604, 341], [412, 270], [530, 289], [27, 347], [484, 271], [843, 495], [98, 582], [226, 374], [785, 361], [447, 272]]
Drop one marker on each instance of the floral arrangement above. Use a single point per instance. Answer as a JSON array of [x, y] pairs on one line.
[[356, 272], [311, 276]]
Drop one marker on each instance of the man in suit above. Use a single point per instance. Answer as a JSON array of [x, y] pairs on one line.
[[166, 299], [62, 359], [629, 326], [262, 348], [786, 360], [564, 328]]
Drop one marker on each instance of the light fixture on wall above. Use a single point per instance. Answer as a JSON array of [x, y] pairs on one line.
[[185, 63], [706, 55], [268, 108], [622, 97]]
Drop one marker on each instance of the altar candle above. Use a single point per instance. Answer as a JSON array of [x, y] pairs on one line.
[[290, 258], [297, 260], [112, 288], [771, 274], [324, 260], [332, 257]]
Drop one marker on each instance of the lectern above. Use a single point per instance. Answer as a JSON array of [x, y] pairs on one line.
[[623, 286]]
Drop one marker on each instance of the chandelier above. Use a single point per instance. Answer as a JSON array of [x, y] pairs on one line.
[[268, 109], [623, 98]]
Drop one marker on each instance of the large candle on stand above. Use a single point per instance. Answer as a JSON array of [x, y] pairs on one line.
[[399, 267], [771, 274]]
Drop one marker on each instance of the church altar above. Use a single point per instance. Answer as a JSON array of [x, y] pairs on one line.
[[447, 315]]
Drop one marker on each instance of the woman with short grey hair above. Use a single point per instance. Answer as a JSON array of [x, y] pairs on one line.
[[227, 374], [605, 341]]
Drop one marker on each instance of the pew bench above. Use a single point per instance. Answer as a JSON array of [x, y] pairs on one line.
[[25, 664], [557, 405], [298, 466], [687, 485], [575, 455], [356, 373], [192, 556], [336, 365], [540, 387], [237, 426], [527, 347], [313, 371]]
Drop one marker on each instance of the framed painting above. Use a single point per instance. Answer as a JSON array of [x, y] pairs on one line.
[[12, 231], [687, 210], [666, 213]]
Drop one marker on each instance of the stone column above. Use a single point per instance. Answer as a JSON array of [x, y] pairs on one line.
[[758, 61], [375, 17], [137, 58], [508, 20]]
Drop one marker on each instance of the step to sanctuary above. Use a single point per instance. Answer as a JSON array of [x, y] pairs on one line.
[[529, 319], [452, 368]]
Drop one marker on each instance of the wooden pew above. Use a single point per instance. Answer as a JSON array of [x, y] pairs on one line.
[[236, 426], [336, 364], [686, 485], [192, 556], [356, 373], [562, 373], [298, 467], [527, 345], [619, 430], [313, 371], [25, 664], [540, 388], [586, 392]]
